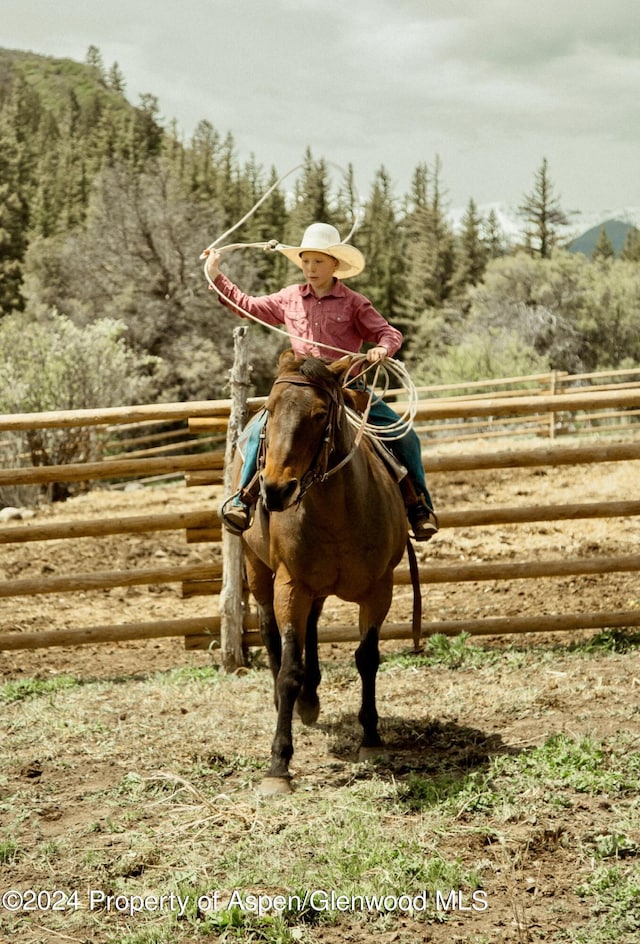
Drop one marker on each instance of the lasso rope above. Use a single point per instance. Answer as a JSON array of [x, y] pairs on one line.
[[387, 368]]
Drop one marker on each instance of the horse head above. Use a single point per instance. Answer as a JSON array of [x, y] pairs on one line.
[[304, 427]]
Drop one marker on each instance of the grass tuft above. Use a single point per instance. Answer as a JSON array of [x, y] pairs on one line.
[[8, 852], [451, 652]]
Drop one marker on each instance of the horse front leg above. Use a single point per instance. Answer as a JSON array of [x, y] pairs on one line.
[[308, 703], [372, 615], [260, 580], [270, 635], [367, 661], [292, 608]]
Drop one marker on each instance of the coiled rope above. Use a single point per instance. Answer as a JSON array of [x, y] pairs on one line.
[[384, 371]]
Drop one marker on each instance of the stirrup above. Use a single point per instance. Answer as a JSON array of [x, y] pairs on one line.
[[236, 517]]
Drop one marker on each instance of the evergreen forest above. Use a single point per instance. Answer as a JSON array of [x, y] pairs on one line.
[[105, 209]]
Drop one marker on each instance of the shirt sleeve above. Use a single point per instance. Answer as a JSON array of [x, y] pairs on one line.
[[376, 329], [266, 308]]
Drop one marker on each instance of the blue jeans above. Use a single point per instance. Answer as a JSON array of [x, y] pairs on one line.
[[407, 449]]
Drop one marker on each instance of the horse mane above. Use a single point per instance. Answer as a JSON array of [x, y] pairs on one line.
[[313, 369]]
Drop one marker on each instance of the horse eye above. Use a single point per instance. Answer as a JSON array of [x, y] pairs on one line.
[[319, 413]]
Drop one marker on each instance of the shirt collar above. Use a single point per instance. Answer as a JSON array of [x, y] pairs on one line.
[[338, 290]]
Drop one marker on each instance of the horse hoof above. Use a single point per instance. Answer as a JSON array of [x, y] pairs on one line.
[[275, 786], [308, 711], [373, 755]]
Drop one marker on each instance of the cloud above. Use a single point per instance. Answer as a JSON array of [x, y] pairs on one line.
[[491, 87]]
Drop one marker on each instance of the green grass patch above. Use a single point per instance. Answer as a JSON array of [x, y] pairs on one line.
[[560, 767], [355, 848], [151, 936], [610, 640], [30, 688], [583, 764], [614, 892], [461, 652]]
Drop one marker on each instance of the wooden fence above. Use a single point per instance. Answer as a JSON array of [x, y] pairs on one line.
[[205, 468]]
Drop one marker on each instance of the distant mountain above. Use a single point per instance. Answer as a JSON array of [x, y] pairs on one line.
[[616, 230]]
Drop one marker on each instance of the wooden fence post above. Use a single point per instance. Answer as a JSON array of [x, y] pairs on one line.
[[552, 415], [231, 609]]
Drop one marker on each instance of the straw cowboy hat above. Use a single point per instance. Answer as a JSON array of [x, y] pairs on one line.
[[322, 237]]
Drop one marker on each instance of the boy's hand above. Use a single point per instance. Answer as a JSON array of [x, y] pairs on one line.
[[213, 263], [376, 354]]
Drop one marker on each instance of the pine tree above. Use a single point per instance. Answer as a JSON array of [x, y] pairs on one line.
[[542, 212], [379, 239], [45, 209], [471, 250], [494, 236], [12, 241], [269, 222], [144, 138], [94, 60], [631, 249], [115, 79], [200, 161], [604, 248], [347, 210], [429, 245], [16, 168], [312, 202], [228, 193]]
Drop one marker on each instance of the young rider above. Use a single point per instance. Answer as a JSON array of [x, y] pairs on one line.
[[324, 318]]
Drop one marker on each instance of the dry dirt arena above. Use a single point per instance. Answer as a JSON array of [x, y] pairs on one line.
[[465, 712]]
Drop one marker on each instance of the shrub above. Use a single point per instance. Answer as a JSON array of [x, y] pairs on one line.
[[52, 364]]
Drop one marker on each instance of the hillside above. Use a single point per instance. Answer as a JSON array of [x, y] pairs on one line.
[[55, 81]]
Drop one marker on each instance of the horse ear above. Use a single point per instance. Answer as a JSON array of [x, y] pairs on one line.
[[286, 361], [357, 399], [341, 368]]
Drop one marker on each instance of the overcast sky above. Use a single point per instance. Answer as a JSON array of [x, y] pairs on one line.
[[491, 86]]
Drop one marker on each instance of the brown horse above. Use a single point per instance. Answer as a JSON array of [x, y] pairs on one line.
[[330, 521]]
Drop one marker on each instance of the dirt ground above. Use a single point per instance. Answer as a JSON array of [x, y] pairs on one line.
[[597, 697]]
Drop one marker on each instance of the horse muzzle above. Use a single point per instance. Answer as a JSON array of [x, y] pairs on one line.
[[276, 495]]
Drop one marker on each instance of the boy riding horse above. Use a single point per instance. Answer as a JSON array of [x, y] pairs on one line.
[[324, 316]]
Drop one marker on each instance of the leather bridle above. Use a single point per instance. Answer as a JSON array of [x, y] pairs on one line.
[[319, 470]]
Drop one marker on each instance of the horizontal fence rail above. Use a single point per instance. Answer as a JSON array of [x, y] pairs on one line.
[[192, 522], [140, 456]]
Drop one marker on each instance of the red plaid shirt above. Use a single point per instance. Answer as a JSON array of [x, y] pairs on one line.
[[340, 321]]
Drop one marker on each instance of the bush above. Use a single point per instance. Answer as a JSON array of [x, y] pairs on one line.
[[483, 356], [53, 364]]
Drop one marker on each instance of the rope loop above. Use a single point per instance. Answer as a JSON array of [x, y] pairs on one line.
[[385, 370]]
